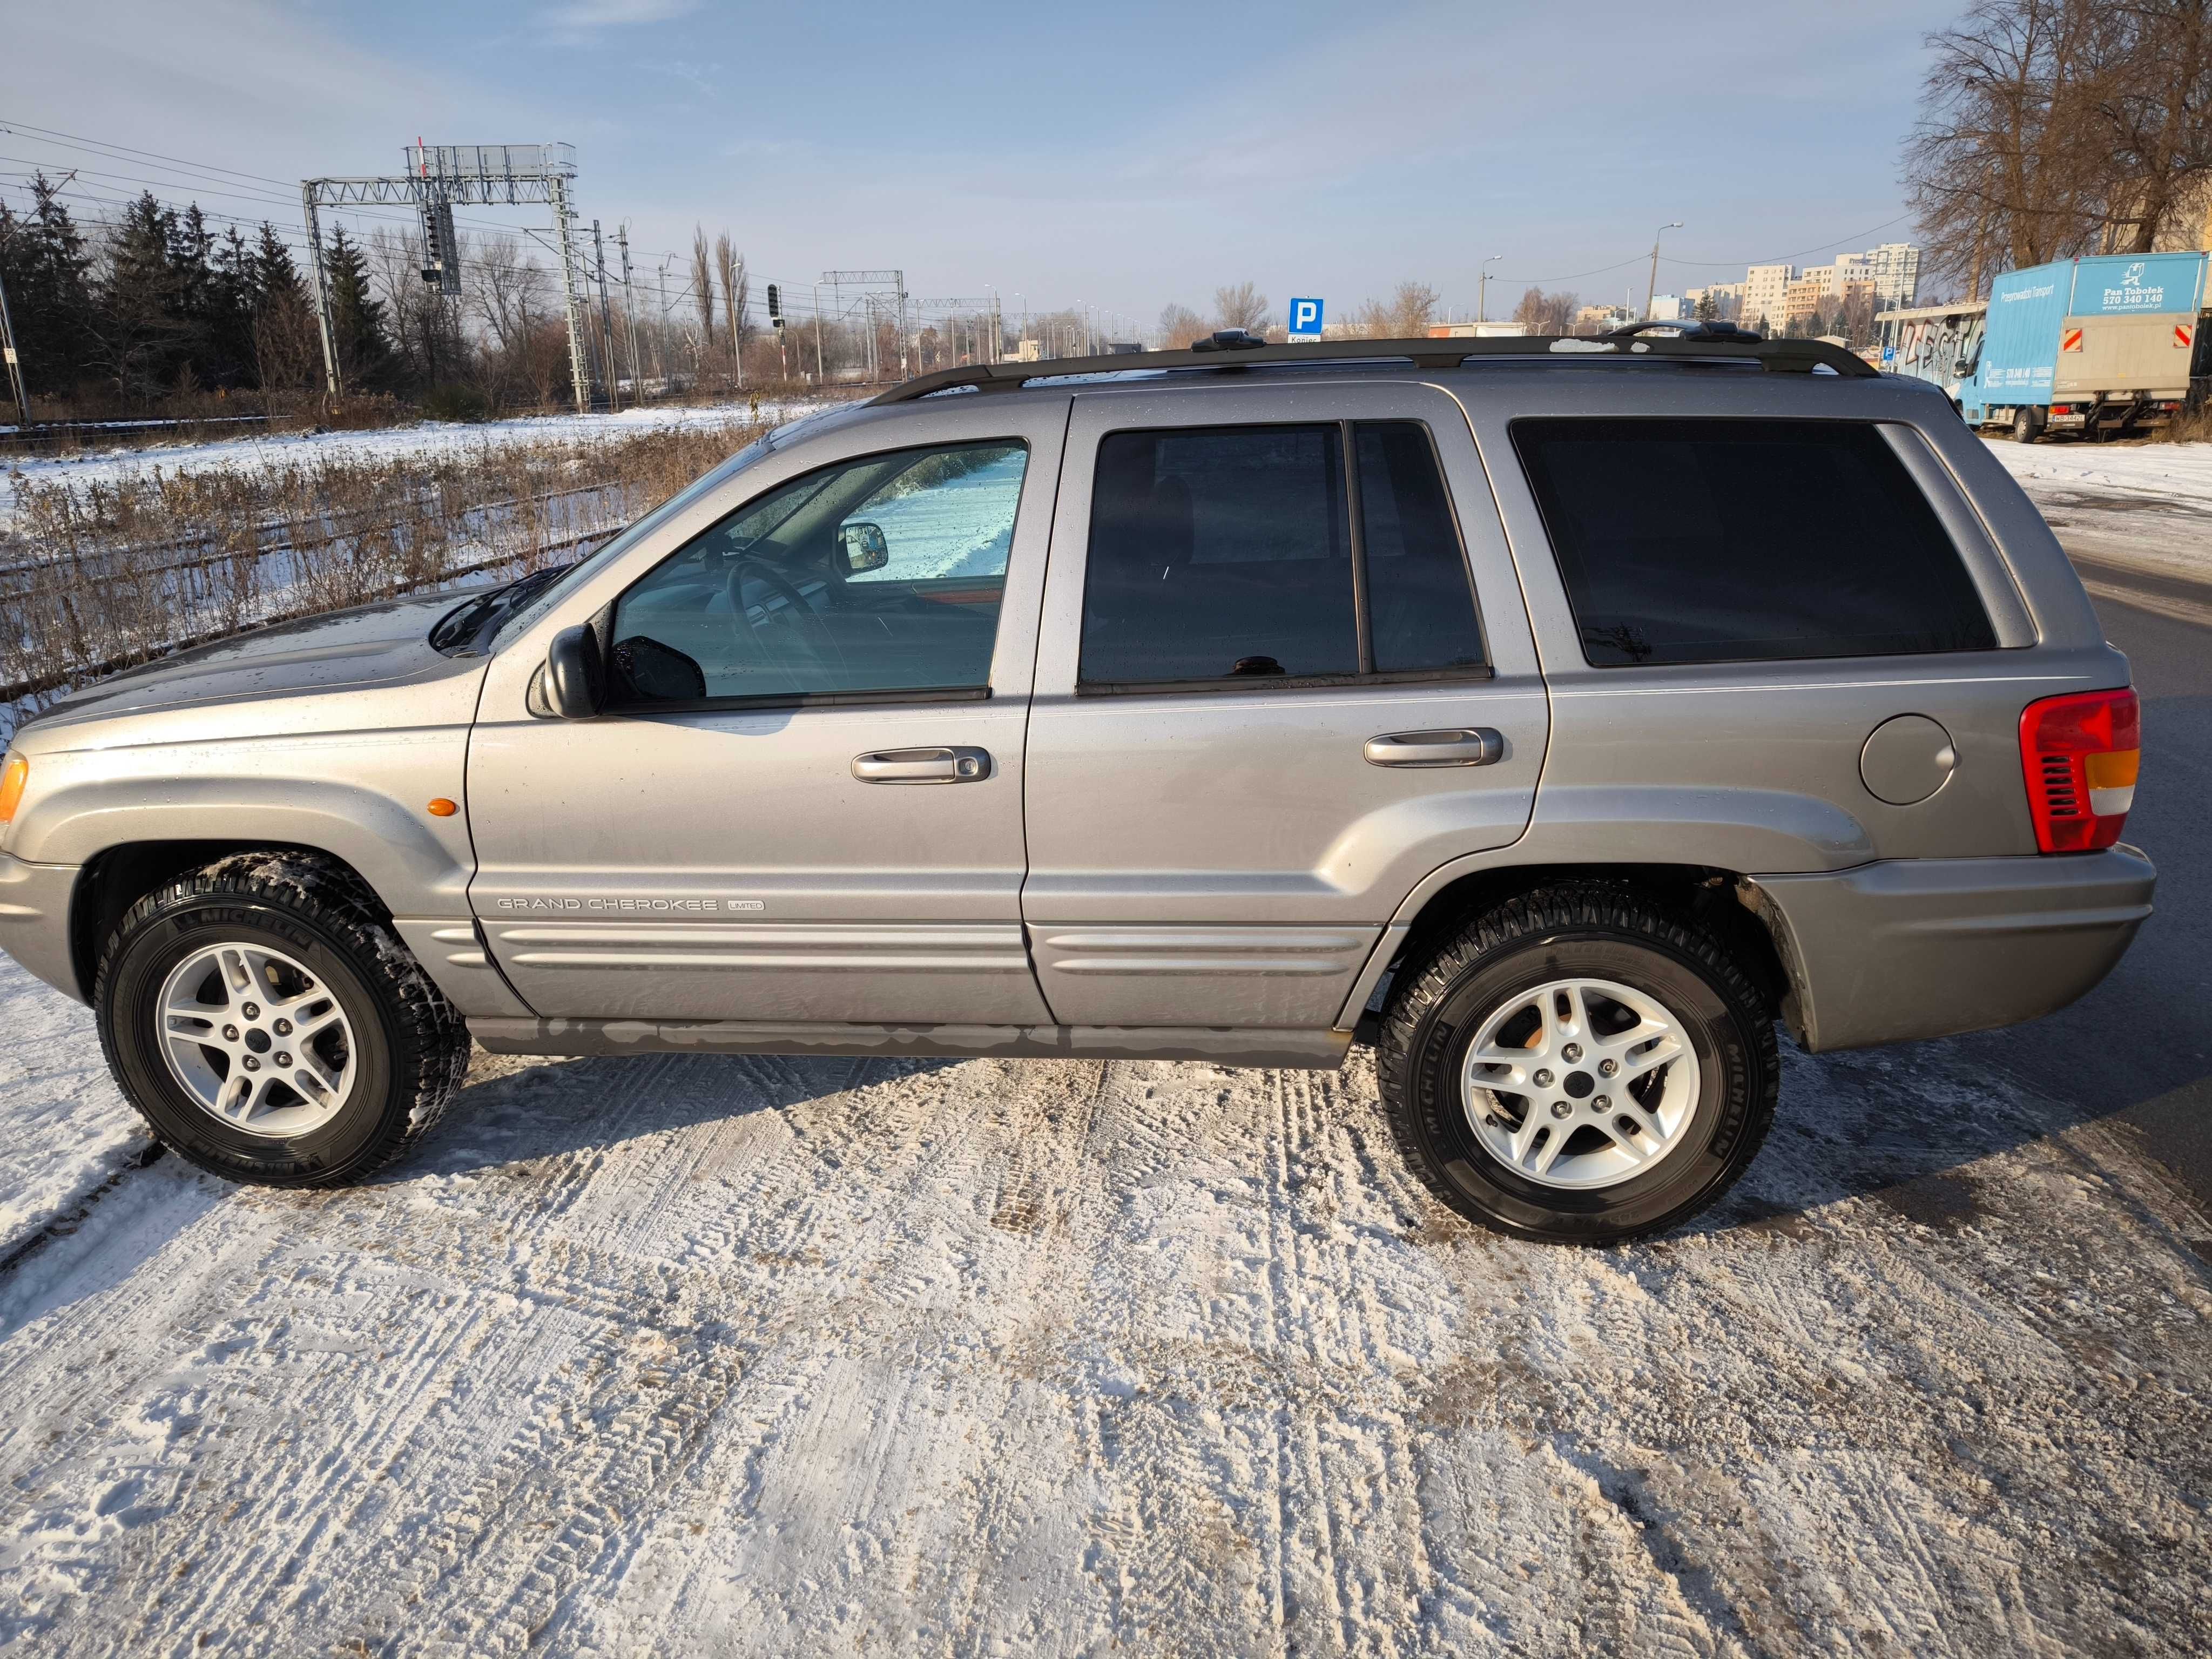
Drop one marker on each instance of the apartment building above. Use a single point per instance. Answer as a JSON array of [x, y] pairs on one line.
[[1764, 287], [1895, 269], [1775, 296], [1727, 300]]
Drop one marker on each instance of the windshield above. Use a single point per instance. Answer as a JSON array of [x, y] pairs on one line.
[[581, 572]]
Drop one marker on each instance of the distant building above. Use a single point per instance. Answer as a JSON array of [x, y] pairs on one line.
[[1895, 269], [1492, 330], [1727, 300], [1599, 319], [1801, 298], [1764, 287], [1670, 307]]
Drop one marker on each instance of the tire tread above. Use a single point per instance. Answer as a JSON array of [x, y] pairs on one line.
[[434, 1046], [1615, 907]]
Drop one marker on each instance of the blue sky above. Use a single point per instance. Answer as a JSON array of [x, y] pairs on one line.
[[1123, 156]]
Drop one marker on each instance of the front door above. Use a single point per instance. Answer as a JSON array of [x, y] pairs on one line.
[[1268, 703], [803, 805]]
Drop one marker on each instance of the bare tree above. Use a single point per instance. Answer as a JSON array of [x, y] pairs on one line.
[[702, 292], [1539, 312], [1179, 327], [1241, 306], [2151, 93], [732, 266], [1998, 166], [1407, 314], [506, 291], [287, 345]]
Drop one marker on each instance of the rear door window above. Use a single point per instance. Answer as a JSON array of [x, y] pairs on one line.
[[1701, 541], [1226, 555]]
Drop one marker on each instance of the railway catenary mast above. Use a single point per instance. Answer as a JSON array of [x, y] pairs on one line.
[[440, 178]]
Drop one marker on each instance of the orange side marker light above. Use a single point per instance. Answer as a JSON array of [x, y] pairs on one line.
[[18, 773], [442, 808]]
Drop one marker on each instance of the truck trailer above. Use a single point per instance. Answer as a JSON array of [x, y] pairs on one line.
[[2104, 346]]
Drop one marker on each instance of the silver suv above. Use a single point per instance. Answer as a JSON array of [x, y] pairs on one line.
[[1555, 715]]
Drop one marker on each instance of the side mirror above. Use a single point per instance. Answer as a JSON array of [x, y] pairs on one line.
[[861, 546], [576, 678]]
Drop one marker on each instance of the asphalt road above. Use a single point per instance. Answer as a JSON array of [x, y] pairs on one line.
[[2138, 1048]]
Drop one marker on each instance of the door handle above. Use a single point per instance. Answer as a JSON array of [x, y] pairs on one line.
[[952, 765], [1478, 746]]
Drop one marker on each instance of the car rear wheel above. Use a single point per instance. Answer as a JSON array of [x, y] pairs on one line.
[[1579, 1066], [271, 1028], [2027, 425]]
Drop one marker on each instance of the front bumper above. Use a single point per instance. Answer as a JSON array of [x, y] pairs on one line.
[[1930, 947], [34, 921]]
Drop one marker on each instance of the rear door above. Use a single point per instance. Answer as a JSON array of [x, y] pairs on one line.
[[1285, 672]]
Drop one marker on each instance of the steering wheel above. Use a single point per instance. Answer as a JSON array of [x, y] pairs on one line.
[[739, 612]]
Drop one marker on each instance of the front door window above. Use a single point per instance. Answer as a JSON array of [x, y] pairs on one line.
[[884, 574]]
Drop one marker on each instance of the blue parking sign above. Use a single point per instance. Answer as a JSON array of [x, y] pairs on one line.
[[1305, 319]]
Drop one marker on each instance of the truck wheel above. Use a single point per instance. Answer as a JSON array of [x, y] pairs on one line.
[[1579, 1066], [265, 1019], [2027, 425]]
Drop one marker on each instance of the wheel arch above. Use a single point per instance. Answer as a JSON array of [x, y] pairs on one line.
[[1724, 902], [116, 878]]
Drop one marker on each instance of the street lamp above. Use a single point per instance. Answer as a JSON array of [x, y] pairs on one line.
[[1652, 292], [1482, 288]]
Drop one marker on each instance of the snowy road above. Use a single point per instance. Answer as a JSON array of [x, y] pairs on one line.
[[703, 1355]]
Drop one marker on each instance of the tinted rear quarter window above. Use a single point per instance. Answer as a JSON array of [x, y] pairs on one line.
[[1698, 541]]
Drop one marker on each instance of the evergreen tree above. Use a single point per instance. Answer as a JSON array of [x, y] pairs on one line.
[[275, 276], [43, 261], [357, 322], [142, 331], [287, 346], [228, 311]]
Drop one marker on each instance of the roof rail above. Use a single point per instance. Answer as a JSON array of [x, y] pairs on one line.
[[1689, 329], [1774, 356]]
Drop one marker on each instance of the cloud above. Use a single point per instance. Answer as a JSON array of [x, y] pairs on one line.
[[585, 15]]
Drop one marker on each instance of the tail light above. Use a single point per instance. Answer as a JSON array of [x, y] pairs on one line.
[[2080, 753]]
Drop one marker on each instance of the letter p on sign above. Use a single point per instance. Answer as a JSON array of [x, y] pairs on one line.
[[1305, 319]]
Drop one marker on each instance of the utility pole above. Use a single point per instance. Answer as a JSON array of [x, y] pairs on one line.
[[1652, 292], [14, 360], [629, 313], [319, 287], [660, 334], [1482, 289], [821, 374], [607, 324]]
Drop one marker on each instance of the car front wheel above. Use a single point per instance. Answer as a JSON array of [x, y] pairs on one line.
[[1579, 1066], [271, 1028]]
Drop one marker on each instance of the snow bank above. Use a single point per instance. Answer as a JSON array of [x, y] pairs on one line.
[[2148, 505], [391, 443]]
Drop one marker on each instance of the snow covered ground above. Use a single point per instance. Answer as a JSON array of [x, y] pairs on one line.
[[721, 1356], [423, 438], [2145, 505]]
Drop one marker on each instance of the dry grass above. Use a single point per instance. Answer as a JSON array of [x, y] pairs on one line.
[[101, 575]]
